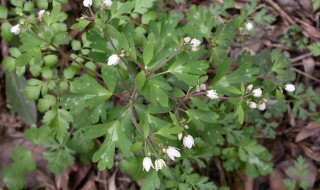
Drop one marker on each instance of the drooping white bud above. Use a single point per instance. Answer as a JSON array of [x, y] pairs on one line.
[[87, 3], [252, 105], [107, 3], [195, 43], [16, 29], [249, 26], [188, 141], [173, 152], [159, 164], [147, 163], [113, 60], [290, 87], [262, 106]]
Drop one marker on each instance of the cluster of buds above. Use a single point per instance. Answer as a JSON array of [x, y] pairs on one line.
[[172, 153], [194, 43], [201, 87], [261, 105]]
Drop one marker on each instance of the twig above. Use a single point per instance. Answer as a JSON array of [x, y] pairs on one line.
[[282, 12], [306, 75], [296, 59]]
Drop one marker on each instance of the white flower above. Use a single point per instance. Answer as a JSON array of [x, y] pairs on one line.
[[252, 105], [290, 87], [173, 152], [16, 29], [195, 43], [180, 136], [107, 3], [249, 26], [212, 94], [262, 106], [113, 60], [87, 3], [147, 163], [40, 14], [188, 141], [187, 39], [159, 164], [257, 92]]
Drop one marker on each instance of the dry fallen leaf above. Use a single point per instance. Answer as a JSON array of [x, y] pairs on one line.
[[309, 130]]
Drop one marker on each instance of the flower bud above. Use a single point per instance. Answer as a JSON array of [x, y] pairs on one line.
[[249, 88], [290, 88], [252, 105], [187, 39], [159, 164], [113, 60], [87, 3], [249, 26], [257, 92], [147, 164], [262, 106], [188, 141], [173, 152], [15, 29], [107, 3]]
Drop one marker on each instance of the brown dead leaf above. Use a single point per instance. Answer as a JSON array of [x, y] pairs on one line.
[[309, 130]]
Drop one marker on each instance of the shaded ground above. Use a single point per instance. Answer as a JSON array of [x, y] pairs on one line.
[[294, 137]]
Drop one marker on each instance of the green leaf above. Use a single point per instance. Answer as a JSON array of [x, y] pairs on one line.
[[170, 132], [142, 6], [59, 160], [148, 52], [110, 76], [199, 103], [206, 116], [82, 24], [189, 73], [240, 114], [46, 102], [95, 131], [151, 181], [122, 8], [105, 154], [23, 163], [6, 31], [3, 12], [86, 92], [61, 38], [25, 108], [58, 120], [76, 45], [140, 80], [38, 136], [8, 64], [33, 89], [315, 48]]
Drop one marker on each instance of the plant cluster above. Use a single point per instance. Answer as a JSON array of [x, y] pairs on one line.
[[137, 87]]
